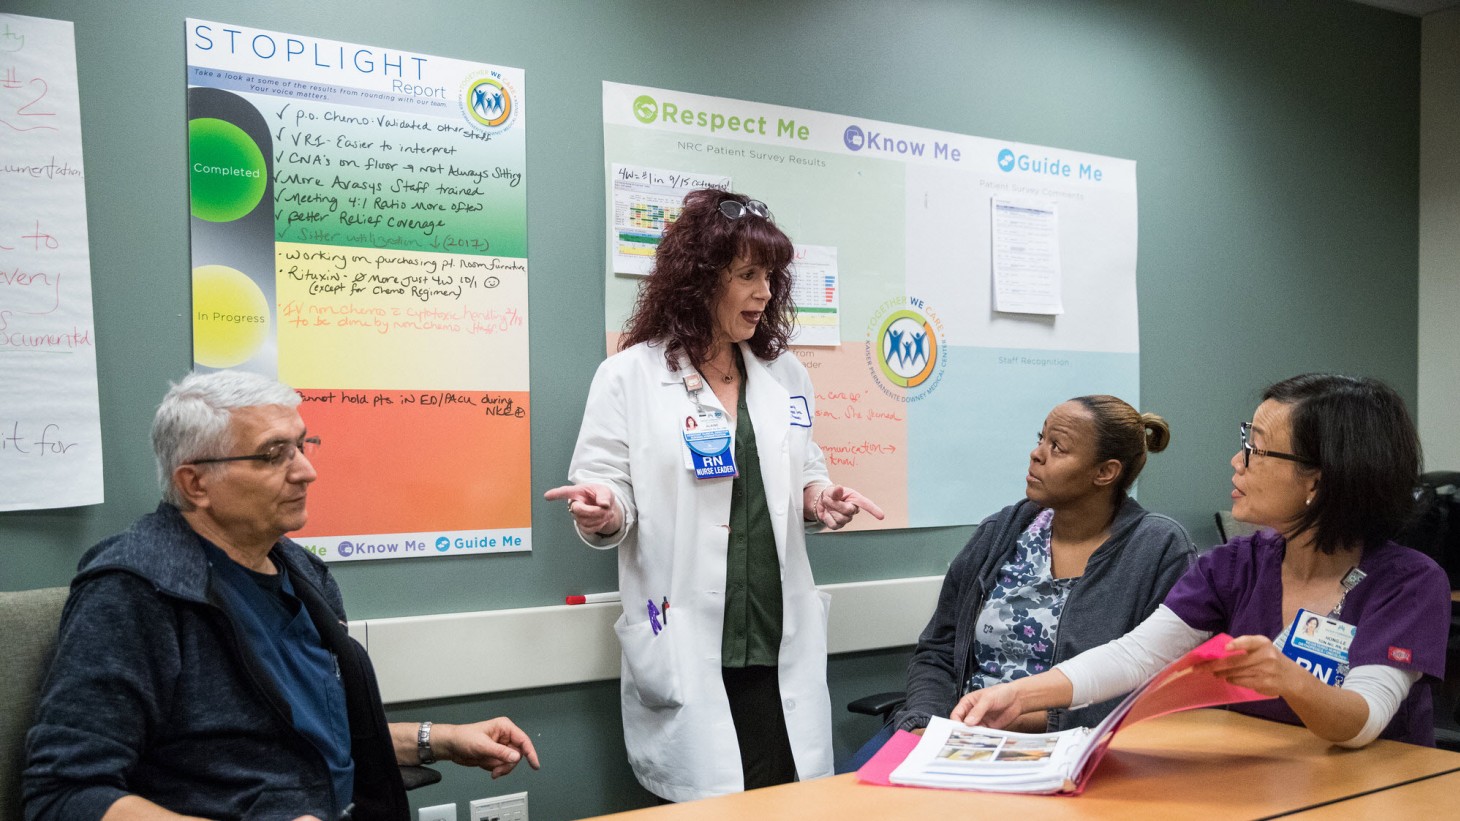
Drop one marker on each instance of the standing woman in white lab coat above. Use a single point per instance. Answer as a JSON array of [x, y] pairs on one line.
[[695, 460]]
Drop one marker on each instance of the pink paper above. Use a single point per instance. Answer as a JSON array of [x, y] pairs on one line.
[[1174, 689], [878, 769]]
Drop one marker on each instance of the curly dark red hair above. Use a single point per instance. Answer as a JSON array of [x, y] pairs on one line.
[[674, 303]]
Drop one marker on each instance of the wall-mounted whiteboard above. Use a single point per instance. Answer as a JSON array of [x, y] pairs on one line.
[[944, 372]]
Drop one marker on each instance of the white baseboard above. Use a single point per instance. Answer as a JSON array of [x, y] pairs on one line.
[[465, 654]]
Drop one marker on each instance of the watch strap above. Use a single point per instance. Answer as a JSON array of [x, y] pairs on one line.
[[423, 743]]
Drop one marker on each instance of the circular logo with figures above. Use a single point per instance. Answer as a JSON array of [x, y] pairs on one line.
[[909, 349], [905, 350], [346, 549], [488, 101]]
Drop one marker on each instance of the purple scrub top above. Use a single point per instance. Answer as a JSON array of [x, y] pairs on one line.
[[1401, 610]]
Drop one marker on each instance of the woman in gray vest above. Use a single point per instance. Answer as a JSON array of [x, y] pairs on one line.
[[1075, 564]]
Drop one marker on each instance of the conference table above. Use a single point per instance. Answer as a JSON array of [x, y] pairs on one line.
[[1200, 764], [1429, 797]]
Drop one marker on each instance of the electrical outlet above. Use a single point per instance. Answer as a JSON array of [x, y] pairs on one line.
[[440, 812], [500, 808]]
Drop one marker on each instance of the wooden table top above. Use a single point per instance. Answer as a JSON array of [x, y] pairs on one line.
[[1201, 764], [1431, 797]]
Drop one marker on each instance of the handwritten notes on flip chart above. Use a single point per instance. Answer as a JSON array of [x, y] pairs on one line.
[[50, 426], [362, 318], [385, 181], [385, 434], [860, 438]]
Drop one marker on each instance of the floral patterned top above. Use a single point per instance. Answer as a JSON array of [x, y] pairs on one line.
[[1017, 627]]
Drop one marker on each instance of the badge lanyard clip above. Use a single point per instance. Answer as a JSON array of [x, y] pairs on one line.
[[693, 384], [1351, 580]]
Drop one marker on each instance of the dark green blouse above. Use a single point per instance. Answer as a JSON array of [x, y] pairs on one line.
[[752, 631]]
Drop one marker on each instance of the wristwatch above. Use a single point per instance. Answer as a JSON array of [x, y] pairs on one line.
[[423, 743]]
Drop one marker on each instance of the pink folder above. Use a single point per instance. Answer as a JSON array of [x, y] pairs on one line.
[[1177, 687]]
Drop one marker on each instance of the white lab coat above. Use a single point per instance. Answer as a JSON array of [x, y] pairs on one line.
[[673, 544]]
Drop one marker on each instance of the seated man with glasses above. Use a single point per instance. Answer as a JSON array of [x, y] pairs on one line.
[[203, 666]]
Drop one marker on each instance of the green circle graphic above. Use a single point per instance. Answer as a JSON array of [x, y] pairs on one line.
[[226, 170], [646, 109]]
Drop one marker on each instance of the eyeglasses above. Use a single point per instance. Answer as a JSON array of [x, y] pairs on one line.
[[1248, 449], [735, 209], [276, 455]]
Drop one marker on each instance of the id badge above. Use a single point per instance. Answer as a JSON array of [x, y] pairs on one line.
[[707, 441], [1319, 644]]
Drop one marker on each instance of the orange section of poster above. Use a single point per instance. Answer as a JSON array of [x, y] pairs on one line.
[[371, 475], [862, 432]]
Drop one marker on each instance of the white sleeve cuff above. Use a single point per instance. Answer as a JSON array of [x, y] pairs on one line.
[[1117, 667], [615, 538], [1383, 688]]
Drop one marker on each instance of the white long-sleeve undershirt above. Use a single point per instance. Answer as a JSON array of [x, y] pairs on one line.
[[1119, 666]]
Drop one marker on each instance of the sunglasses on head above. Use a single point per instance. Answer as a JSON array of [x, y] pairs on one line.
[[735, 209]]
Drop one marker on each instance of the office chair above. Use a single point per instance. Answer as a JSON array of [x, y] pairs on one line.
[[416, 775], [28, 623], [1434, 529], [882, 705]]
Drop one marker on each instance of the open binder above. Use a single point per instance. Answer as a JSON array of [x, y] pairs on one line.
[[953, 756]]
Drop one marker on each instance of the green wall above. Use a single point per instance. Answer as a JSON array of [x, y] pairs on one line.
[[1276, 144]]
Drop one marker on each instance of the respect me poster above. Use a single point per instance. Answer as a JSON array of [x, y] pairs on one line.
[[359, 230], [935, 325]]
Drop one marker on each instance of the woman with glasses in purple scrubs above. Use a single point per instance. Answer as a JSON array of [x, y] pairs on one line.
[[696, 460], [1327, 466]]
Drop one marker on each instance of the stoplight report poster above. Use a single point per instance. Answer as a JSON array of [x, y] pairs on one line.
[[931, 402], [359, 230]]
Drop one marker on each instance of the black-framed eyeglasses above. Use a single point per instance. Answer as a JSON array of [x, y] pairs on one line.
[[276, 455], [1248, 449], [735, 209]]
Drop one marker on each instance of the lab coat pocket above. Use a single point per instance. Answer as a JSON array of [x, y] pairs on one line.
[[649, 663]]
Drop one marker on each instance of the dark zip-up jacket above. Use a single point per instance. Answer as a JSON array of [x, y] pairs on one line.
[[1124, 580], [154, 692]]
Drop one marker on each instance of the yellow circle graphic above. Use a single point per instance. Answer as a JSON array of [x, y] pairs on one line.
[[230, 317]]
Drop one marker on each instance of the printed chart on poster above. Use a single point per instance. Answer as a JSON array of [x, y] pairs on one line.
[[958, 287], [359, 230], [50, 424]]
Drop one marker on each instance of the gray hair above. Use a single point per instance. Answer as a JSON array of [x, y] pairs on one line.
[[193, 421]]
